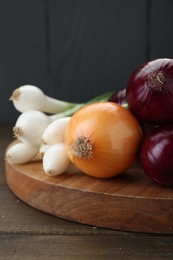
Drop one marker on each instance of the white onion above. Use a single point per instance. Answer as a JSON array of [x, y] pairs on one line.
[[30, 126], [55, 160], [55, 131], [30, 97], [21, 153]]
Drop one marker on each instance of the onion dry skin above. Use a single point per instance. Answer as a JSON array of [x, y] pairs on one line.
[[103, 139], [150, 92], [157, 155]]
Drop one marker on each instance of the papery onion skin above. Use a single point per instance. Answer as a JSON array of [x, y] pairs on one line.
[[112, 135], [157, 155], [150, 92]]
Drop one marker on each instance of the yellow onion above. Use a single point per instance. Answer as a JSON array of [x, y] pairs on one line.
[[102, 139]]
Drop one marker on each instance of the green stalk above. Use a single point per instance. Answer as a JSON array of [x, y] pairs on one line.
[[68, 112], [100, 98], [71, 111]]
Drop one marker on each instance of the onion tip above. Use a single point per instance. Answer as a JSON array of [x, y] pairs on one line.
[[17, 131], [83, 147], [15, 95]]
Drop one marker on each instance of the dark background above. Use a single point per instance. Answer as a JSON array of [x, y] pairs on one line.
[[77, 49]]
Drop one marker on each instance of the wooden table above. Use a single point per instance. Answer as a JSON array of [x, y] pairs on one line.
[[26, 233]]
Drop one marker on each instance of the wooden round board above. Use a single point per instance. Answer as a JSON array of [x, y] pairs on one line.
[[129, 202]]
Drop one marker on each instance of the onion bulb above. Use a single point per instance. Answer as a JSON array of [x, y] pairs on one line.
[[30, 97], [150, 92], [55, 160], [156, 155], [30, 126], [55, 131], [102, 139], [20, 153]]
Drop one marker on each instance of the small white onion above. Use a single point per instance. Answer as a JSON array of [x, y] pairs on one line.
[[55, 131], [30, 126], [55, 160], [30, 97], [21, 153]]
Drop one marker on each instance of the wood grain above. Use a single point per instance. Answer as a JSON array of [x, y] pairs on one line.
[[128, 202], [27, 233], [6, 136], [84, 247]]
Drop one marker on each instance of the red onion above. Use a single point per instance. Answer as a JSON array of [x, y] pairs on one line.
[[157, 155], [150, 92], [119, 97]]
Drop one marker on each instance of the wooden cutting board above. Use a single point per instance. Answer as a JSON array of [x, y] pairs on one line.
[[129, 202]]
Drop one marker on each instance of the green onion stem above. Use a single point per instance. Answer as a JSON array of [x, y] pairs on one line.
[[71, 111]]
